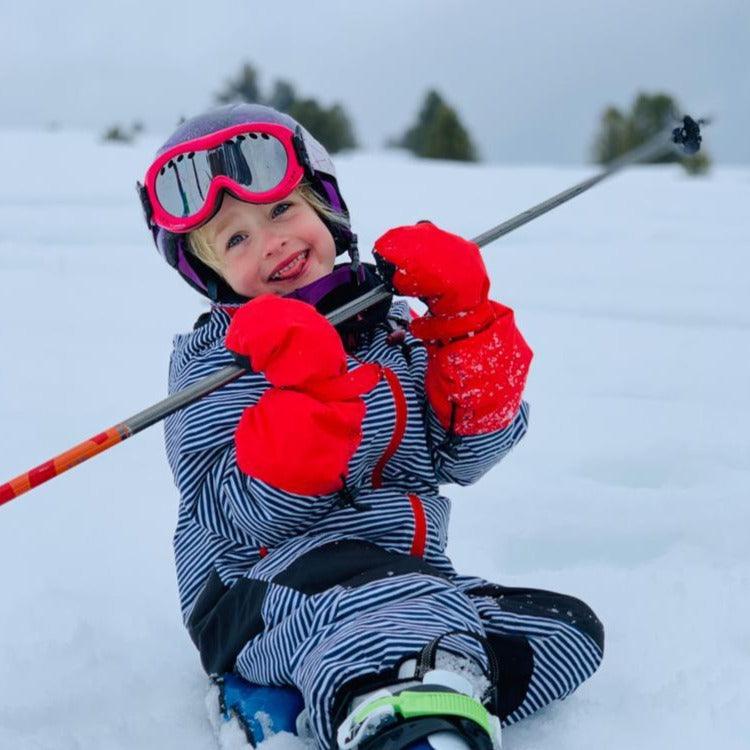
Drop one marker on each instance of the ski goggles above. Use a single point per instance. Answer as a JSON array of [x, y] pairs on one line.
[[255, 162]]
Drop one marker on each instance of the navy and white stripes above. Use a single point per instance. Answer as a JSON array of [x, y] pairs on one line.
[[344, 633], [226, 517], [241, 529], [564, 655]]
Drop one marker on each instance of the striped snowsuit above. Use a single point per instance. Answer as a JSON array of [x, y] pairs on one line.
[[333, 591]]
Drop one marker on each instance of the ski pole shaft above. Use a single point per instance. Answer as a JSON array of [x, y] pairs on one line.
[[662, 143], [688, 136], [153, 414]]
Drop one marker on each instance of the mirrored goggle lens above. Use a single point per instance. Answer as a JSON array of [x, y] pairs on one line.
[[256, 161]]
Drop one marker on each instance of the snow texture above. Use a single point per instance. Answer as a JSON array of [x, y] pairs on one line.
[[630, 491]]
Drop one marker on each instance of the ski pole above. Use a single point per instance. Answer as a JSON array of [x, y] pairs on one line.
[[687, 136]]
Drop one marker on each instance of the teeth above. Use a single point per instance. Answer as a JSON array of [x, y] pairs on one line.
[[297, 259]]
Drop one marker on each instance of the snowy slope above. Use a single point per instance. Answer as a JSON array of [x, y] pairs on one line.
[[631, 490]]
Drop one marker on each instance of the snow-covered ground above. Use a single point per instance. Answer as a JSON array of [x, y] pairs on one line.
[[632, 489]]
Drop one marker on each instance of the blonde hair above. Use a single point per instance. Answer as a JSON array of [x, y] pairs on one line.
[[201, 247]]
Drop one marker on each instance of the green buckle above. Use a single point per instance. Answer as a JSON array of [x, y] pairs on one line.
[[410, 704]]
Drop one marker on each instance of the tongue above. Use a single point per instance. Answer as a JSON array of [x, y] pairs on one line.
[[291, 270]]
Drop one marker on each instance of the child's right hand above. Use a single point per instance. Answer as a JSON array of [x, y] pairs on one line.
[[289, 341], [303, 431]]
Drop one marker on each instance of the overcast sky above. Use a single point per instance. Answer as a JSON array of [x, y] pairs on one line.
[[528, 78]]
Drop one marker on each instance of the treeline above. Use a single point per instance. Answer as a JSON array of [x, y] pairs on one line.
[[332, 126], [438, 132]]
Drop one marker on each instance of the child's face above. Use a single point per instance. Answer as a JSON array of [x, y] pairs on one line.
[[270, 248]]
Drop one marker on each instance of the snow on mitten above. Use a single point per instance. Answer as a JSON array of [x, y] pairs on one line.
[[475, 384], [478, 360]]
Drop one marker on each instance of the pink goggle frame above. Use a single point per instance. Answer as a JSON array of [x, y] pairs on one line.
[[255, 162]]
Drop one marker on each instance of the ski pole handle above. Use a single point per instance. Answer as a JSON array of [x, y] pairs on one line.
[[687, 136]]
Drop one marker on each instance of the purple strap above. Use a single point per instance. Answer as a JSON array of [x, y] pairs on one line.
[[333, 197], [184, 266], [313, 293]]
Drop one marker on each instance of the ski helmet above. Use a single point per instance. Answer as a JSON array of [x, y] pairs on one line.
[[225, 168]]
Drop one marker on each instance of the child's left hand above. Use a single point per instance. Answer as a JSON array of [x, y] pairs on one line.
[[478, 359], [444, 270]]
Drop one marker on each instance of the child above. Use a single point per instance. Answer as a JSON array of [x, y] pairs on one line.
[[311, 532]]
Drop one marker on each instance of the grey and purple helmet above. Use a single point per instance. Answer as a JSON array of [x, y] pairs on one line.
[[182, 180]]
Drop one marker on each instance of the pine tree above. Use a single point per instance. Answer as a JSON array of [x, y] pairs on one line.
[[330, 125], [438, 132], [243, 88], [283, 96], [611, 141]]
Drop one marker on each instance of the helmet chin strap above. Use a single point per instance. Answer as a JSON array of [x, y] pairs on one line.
[[354, 254], [344, 284], [341, 276], [344, 274]]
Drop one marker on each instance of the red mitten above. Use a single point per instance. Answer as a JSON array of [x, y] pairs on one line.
[[444, 270], [302, 433], [475, 385], [289, 341], [478, 360]]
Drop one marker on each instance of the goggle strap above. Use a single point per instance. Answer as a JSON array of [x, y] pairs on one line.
[[300, 151], [148, 211]]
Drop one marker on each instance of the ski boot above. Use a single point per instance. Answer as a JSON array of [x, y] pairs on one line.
[[243, 714], [439, 712], [435, 702]]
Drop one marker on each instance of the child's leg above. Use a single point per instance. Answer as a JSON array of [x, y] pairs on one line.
[[546, 644], [350, 636]]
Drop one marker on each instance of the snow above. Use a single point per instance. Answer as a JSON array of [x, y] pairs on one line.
[[630, 491]]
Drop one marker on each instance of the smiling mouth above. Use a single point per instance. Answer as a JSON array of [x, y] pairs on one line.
[[292, 268]]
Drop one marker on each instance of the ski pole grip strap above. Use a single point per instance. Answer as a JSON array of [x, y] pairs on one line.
[[386, 270]]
